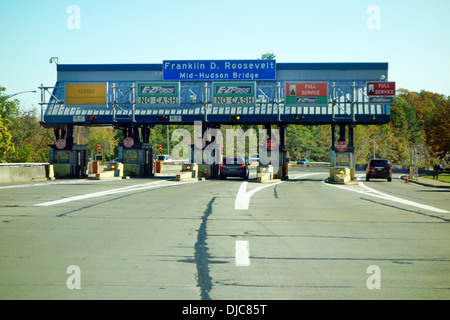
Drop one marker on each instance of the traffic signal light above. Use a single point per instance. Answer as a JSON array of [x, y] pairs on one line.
[[91, 118], [299, 117], [159, 149], [99, 149], [235, 118], [373, 117], [163, 118]]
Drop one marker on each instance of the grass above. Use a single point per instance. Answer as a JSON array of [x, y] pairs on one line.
[[443, 177]]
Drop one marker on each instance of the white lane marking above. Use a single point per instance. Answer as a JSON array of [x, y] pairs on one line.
[[51, 183], [377, 194], [243, 197], [242, 255], [242, 200], [138, 187], [404, 201]]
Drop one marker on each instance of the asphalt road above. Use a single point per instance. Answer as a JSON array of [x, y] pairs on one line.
[[161, 239]]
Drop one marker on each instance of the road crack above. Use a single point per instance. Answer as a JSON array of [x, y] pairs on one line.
[[202, 256]]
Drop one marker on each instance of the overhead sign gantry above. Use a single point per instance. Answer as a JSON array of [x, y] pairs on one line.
[[260, 91], [136, 97]]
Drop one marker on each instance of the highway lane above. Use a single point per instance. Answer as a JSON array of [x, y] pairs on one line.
[[127, 244], [310, 240], [158, 239]]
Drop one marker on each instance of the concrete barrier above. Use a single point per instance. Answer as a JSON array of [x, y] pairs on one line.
[[340, 174], [104, 175], [185, 176], [264, 172], [24, 172]]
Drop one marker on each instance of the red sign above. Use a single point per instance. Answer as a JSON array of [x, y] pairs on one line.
[[60, 144], [271, 144], [128, 142], [341, 146], [303, 89], [381, 88]]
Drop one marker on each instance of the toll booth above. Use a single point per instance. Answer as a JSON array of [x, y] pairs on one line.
[[274, 152], [209, 168], [279, 168], [69, 161], [137, 159], [342, 166]]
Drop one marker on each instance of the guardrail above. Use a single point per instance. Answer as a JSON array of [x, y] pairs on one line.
[[23, 164], [320, 164], [311, 164]]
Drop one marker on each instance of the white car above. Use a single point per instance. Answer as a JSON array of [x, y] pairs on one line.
[[164, 158]]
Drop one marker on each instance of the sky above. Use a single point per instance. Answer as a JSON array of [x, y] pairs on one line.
[[412, 36]]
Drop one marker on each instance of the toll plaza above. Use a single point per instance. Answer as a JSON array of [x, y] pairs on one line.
[[68, 159], [137, 97]]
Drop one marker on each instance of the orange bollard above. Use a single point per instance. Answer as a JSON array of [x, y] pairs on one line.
[[158, 166], [95, 167]]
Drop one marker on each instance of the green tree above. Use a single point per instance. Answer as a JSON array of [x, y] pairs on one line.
[[5, 139], [299, 140], [7, 109], [431, 115], [29, 138], [268, 56], [405, 122], [93, 136], [438, 132]]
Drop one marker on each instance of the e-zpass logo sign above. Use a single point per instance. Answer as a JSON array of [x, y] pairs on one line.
[[234, 93], [230, 89], [157, 93], [157, 90]]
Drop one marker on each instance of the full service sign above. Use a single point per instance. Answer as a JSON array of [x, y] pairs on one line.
[[307, 93], [207, 70], [157, 93], [241, 93], [381, 88]]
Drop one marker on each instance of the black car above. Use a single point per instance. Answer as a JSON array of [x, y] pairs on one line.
[[379, 168], [234, 167]]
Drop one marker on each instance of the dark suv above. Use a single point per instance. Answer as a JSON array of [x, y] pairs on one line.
[[234, 167], [379, 168]]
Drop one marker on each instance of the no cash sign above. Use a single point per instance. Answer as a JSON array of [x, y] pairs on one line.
[[233, 100]]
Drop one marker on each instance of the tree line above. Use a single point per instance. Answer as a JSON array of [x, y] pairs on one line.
[[419, 132]]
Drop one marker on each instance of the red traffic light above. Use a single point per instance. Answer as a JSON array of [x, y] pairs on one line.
[[99, 147], [159, 146]]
